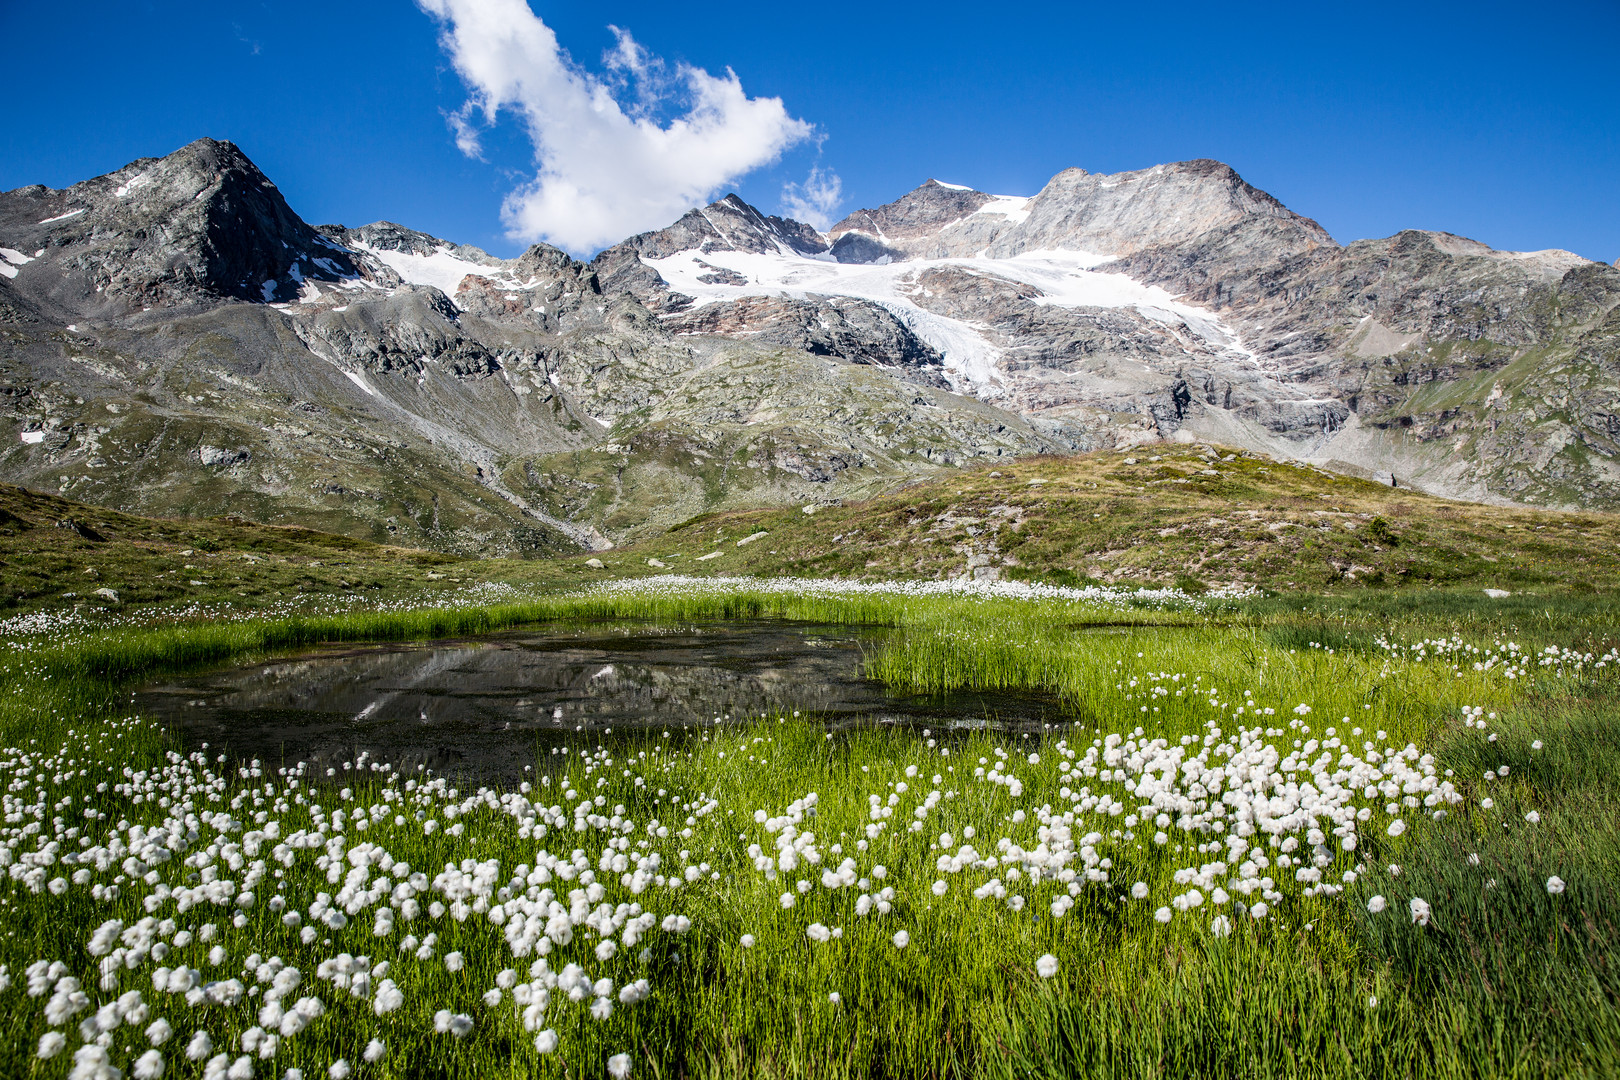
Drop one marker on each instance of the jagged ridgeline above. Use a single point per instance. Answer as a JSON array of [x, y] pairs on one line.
[[175, 340]]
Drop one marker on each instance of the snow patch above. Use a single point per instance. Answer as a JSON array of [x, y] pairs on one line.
[[63, 217], [442, 270], [1015, 208], [15, 257], [953, 187], [1062, 278], [354, 377], [130, 185], [33, 438]]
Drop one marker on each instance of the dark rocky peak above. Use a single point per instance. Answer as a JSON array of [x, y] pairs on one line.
[[545, 261], [858, 247], [619, 270], [739, 227], [728, 225], [921, 212], [200, 224]]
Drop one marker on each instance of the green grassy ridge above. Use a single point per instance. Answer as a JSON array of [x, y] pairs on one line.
[[50, 546], [1156, 515], [1092, 518]]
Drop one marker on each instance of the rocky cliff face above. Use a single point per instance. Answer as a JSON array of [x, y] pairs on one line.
[[174, 339], [1181, 302]]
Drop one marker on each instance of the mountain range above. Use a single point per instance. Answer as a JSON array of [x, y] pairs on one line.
[[176, 340]]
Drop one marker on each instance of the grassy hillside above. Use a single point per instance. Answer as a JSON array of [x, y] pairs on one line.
[[55, 553], [1198, 516], [1159, 516]]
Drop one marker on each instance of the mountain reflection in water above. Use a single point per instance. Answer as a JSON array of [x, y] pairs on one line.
[[486, 708]]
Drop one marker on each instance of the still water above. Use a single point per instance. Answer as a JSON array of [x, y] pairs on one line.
[[487, 707]]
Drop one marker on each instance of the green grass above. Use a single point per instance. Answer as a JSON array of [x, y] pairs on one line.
[[1161, 515], [1172, 516], [1506, 981]]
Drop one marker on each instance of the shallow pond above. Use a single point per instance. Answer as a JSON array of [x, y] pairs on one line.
[[489, 706]]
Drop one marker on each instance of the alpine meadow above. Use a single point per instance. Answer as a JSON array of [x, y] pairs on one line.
[[1119, 631]]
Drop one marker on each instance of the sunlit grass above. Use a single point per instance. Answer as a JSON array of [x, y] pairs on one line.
[[1507, 979]]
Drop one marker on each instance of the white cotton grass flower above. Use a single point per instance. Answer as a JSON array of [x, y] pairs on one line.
[[339, 1070], [1140, 890], [91, 1063], [159, 1032], [1163, 915], [1536, 745], [1046, 966], [1555, 885], [454, 961], [787, 900], [1377, 904], [1396, 827], [546, 1041], [200, 1046], [149, 1066], [618, 1066], [1486, 803], [50, 1044], [374, 1051], [388, 998], [1533, 817], [834, 997], [939, 887], [901, 939], [1420, 911], [746, 941], [1221, 926]]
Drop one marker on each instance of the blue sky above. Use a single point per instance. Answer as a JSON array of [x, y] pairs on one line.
[[1497, 122]]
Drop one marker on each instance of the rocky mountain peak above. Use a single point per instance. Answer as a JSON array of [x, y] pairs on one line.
[[727, 225], [544, 261], [1175, 302], [1166, 206], [920, 212], [202, 223]]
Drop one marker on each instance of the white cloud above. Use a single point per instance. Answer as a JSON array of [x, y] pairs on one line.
[[608, 166], [815, 201]]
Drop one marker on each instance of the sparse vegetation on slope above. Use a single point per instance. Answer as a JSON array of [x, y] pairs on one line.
[[1160, 515]]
